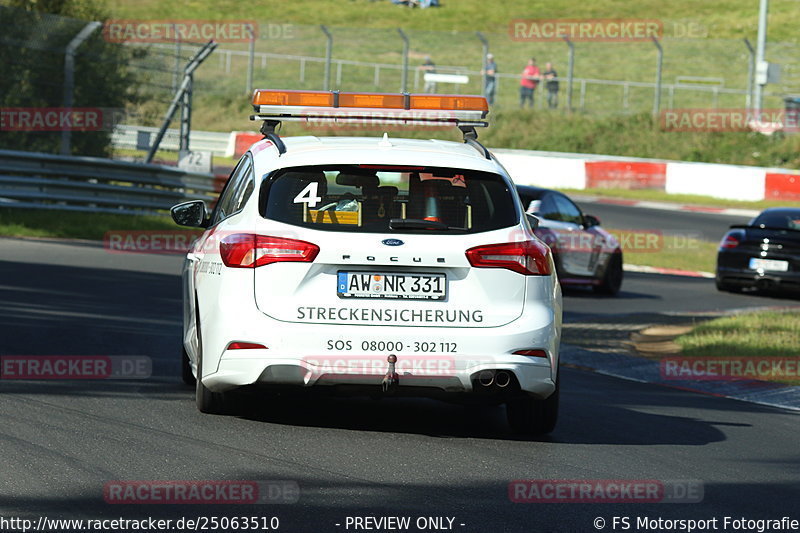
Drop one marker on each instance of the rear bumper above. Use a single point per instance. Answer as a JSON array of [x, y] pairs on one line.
[[749, 278], [534, 378], [304, 355]]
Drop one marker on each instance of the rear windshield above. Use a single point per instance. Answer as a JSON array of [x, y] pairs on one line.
[[381, 199], [778, 219]]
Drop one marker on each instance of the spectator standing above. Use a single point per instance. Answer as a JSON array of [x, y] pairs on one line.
[[490, 74], [551, 76], [529, 79], [428, 67]]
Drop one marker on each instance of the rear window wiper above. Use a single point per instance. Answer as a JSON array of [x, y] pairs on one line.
[[418, 223]]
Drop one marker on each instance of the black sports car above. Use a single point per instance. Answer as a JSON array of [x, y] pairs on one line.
[[584, 253], [764, 253]]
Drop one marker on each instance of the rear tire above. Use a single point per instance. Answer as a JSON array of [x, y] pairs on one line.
[[612, 279], [186, 368], [533, 417]]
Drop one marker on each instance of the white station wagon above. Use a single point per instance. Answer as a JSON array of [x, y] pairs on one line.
[[379, 266]]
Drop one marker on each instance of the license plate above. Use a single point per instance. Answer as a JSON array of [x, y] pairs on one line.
[[400, 286], [757, 263]]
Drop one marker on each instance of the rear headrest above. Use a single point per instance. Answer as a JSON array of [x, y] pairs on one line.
[[357, 180]]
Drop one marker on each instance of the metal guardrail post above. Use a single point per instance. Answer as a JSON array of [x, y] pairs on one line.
[[485, 51], [761, 48], [186, 115], [570, 69], [404, 76], [659, 66], [328, 54], [176, 72], [69, 77], [195, 62], [751, 71]]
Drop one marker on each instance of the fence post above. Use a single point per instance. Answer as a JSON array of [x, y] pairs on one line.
[[186, 115], [179, 98], [328, 53], [761, 47], [176, 73], [570, 69], [69, 78], [659, 65], [404, 78], [485, 50], [751, 68], [251, 58]]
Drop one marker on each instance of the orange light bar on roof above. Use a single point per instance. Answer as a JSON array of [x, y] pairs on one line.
[[372, 100], [268, 97], [451, 102], [293, 98]]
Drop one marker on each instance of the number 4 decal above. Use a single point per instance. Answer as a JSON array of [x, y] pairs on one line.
[[309, 195]]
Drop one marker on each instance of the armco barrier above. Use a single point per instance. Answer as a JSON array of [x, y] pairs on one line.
[[573, 171], [31, 179], [583, 171]]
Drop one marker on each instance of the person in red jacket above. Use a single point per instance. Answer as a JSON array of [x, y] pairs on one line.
[[528, 81]]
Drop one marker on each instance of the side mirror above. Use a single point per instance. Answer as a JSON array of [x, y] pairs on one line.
[[533, 220], [192, 214], [590, 221]]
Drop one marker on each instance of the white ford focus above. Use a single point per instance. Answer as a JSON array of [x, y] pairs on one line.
[[372, 265]]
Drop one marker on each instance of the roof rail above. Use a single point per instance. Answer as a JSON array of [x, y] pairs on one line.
[[268, 129], [471, 138]]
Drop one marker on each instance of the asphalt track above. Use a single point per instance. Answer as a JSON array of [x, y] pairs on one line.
[[703, 226], [60, 442]]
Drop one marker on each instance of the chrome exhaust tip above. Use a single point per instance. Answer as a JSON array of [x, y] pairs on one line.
[[486, 378], [503, 379]]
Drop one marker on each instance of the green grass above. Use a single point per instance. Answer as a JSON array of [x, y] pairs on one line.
[[635, 136], [721, 18], [46, 223], [665, 250], [365, 30], [661, 196], [752, 335]]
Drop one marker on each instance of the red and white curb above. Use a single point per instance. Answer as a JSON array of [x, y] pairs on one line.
[[668, 271], [667, 206]]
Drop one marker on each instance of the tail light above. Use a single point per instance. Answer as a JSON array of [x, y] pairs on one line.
[[246, 250], [246, 346], [729, 241], [531, 258], [532, 353]]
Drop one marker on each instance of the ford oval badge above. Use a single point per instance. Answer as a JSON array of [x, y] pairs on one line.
[[392, 242]]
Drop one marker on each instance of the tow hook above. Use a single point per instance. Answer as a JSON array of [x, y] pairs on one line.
[[391, 380]]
